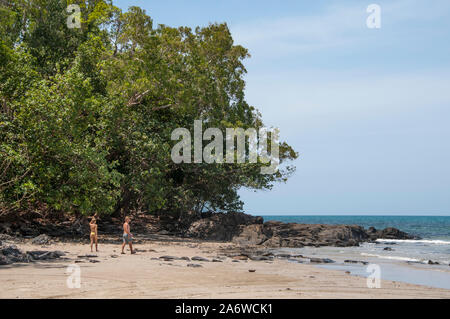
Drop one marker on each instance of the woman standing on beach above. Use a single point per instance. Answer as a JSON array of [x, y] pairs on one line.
[[94, 234]]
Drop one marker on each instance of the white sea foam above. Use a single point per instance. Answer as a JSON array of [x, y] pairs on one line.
[[392, 257], [413, 241]]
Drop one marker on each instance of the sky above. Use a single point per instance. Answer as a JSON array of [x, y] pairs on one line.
[[368, 109]]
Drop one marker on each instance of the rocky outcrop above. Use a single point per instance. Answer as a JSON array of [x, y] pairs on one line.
[[221, 226], [278, 234], [391, 233], [10, 254], [255, 234], [247, 230]]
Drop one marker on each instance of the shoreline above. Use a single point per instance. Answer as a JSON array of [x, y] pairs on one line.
[[356, 261], [146, 275]]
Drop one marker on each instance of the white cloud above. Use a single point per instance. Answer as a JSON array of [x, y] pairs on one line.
[[335, 27]]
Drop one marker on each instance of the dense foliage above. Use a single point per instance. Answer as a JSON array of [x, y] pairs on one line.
[[86, 114]]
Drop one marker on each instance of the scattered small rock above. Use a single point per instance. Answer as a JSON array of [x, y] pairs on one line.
[[4, 261], [239, 257], [197, 258], [42, 239], [356, 262], [168, 258], [45, 255], [321, 260], [12, 255]]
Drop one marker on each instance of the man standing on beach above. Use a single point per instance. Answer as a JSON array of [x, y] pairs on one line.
[[127, 236]]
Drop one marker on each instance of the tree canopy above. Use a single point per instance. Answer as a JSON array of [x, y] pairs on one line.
[[86, 114]]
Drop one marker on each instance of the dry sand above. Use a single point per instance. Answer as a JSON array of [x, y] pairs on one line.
[[141, 276]]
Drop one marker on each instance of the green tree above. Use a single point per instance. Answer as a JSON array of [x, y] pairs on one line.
[[87, 114]]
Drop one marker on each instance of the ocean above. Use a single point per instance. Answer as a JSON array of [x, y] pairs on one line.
[[406, 260]]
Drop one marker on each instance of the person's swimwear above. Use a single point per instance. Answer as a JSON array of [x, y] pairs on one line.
[[127, 238]]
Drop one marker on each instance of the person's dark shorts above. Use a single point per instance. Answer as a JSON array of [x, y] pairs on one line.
[[127, 239]]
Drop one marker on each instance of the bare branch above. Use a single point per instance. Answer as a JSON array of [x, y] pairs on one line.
[[137, 98]]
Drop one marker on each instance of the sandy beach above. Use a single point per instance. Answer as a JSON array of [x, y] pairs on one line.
[[145, 275]]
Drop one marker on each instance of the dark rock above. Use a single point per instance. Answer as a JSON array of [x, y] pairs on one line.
[[194, 265], [168, 258], [251, 235], [45, 255], [222, 226], [388, 248], [197, 258], [10, 251], [274, 234], [356, 262], [251, 270], [42, 239], [393, 233], [87, 256], [4, 261], [93, 261], [321, 260], [299, 235], [216, 260], [11, 254], [430, 262], [268, 254]]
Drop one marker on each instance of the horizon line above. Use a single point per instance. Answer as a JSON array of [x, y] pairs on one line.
[[333, 214]]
